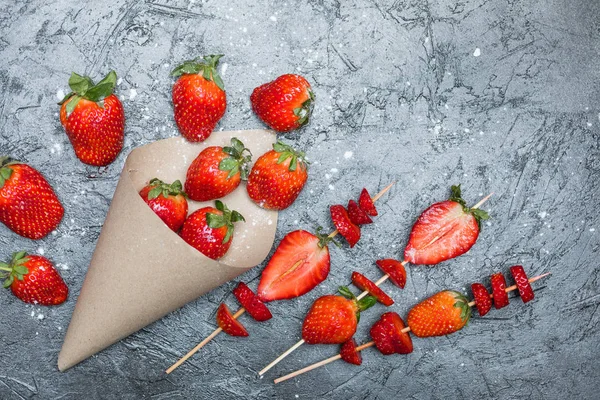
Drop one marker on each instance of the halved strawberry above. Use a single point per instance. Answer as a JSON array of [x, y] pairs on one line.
[[357, 215], [498, 290], [230, 325], [364, 283], [520, 277], [366, 203], [482, 298], [349, 353], [256, 308], [388, 336], [445, 230], [395, 269], [345, 227], [300, 263]]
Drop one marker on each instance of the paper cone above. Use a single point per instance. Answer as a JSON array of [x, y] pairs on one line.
[[141, 270]]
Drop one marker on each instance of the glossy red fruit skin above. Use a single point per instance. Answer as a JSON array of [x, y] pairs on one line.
[[520, 277], [394, 269], [206, 240], [498, 285], [483, 302], [28, 205], [230, 325], [364, 283], [341, 220], [42, 284], [198, 106], [296, 267], [388, 336], [349, 353], [330, 320], [366, 203], [205, 181], [357, 215], [96, 133], [256, 308], [171, 210]]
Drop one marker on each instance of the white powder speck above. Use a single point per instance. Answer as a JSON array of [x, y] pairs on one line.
[[543, 214], [60, 94], [33, 313], [589, 124], [132, 94], [348, 155], [40, 317], [40, 251], [592, 229], [270, 222], [273, 18], [334, 170], [327, 176], [477, 52], [119, 81], [224, 68], [331, 187]]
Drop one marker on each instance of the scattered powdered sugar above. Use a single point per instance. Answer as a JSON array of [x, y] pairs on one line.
[[592, 229], [348, 155], [41, 251], [273, 18], [40, 316], [477, 52], [132, 94], [543, 214], [224, 68], [60, 94], [331, 187], [334, 170]]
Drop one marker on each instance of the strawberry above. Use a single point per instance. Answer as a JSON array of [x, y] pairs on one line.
[[520, 277], [199, 99], [210, 230], [277, 177], [441, 314], [333, 319], [217, 171], [341, 220], [300, 263], [483, 302], [445, 230], [230, 325], [395, 270], [365, 202], [93, 118], [388, 336], [499, 290], [28, 205], [33, 279], [284, 104], [167, 201], [357, 215], [364, 283], [349, 353], [256, 308]]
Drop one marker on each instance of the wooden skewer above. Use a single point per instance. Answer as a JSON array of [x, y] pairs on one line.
[[371, 343], [242, 310], [360, 296]]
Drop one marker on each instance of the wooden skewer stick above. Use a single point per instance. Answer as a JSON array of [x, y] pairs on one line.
[[371, 343], [242, 310], [363, 294]]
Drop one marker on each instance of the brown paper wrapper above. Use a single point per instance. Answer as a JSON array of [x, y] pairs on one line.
[[141, 270]]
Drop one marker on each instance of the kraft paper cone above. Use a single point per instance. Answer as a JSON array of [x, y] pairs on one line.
[[141, 270]]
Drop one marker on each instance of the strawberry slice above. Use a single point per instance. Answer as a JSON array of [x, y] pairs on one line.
[[366, 203], [364, 283], [300, 263], [444, 230], [520, 277], [498, 285], [349, 353], [345, 227], [394, 269], [388, 336], [357, 215], [230, 325], [256, 308], [482, 298]]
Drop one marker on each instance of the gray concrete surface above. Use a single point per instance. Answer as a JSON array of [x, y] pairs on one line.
[[501, 96]]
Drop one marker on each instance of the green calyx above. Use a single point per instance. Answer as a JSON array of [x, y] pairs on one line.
[[479, 214], [362, 304], [206, 66], [305, 110], [164, 189], [5, 170], [285, 151], [15, 270], [227, 218], [324, 239], [82, 87], [463, 303], [238, 160]]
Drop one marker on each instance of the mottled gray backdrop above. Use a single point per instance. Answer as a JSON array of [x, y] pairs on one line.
[[502, 96]]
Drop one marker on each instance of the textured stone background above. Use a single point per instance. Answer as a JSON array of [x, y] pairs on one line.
[[501, 96]]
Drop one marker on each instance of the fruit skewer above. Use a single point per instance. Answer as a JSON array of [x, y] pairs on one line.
[[242, 310], [372, 343], [456, 195]]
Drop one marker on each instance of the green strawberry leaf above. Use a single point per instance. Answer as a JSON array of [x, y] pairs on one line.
[[366, 302], [188, 67], [228, 234], [154, 192], [220, 206], [72, 104], [19, 256], [80, 84], [227, 164], [215, 221], [236, 217], [8, 281], [21, 270], [346, 292], [293, 164]]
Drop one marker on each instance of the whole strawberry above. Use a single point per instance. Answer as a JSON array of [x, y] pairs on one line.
[[284, 104], [28, 205], [217, 171], [93, 118], [199, 99], [167, 201], [33, 279], [441, 314], [210, 230], [277, 177]]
